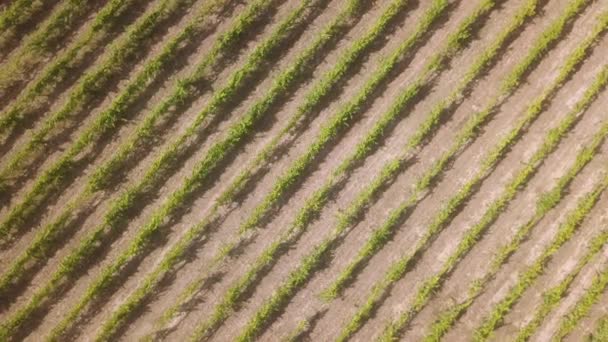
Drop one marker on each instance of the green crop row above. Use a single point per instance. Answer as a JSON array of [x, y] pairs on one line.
[[338, 124], [553, 296], [302, 327], [11, 15], [143, 239], [55, 72], [52, 179], [381, 236], [16, 14], [89, 87], [545, 203], [548, 38], [186, 89], [399, 268], [590, 297], [505, 305], [270, 254], [312, 99], [71, 263], [533, 271], [106, 122], [34, 48], [601, 332], [323, 86], [520, 180], [237, 133], [316, 202]]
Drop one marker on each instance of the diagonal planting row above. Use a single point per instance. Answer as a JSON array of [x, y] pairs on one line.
[[583, 306], [319, 91], [399, 268], [47, 38], [15, 16], [143, 241], [601, 332], [270, 255], [437, 114], [87, 90], [455, 42], [465, 136], [552, 297], [341, 121], [382, 235], [545, 203], [107, 122], [114, 217], [226, 42], [121, 56], [51, 234], [519, 180], [316, 256], [329, 130], [115, 220], [44, 242], [313, 98], [99, 32], [533, 271], [17, 12]]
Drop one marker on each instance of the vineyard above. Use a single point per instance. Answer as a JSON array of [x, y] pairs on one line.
[[304, 170]]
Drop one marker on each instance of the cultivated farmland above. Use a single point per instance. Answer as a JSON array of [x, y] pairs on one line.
[[303, 170]]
